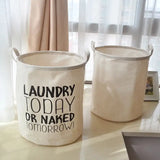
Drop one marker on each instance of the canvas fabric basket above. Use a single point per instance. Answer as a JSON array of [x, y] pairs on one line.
[[119, 81], [49, 93]]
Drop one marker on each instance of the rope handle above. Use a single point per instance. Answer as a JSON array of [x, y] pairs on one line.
[[15, 54], [150, 49]]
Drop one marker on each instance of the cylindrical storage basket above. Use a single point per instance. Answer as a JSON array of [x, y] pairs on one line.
[[49, 93], [119, 81]]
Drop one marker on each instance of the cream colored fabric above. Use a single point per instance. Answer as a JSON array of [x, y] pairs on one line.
[[119, 84], [49, 101], [48, 26]]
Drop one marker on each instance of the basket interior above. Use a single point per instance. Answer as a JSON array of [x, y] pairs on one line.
[[123, 52], [51, 59]]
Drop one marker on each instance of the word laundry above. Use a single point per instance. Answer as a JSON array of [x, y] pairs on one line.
[[51, 92]]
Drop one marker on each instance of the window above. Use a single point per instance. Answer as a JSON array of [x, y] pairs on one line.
[[111, 22]]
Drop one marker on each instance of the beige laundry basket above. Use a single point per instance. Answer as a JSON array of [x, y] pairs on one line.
[[119, 81], [49, 95]]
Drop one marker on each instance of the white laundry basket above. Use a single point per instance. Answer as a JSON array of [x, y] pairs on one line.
[[119, 81], [49, 93]]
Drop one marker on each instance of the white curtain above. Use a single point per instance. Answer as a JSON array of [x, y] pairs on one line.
[[6, 96], [15, 16], [13, 31], [115, 22]]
